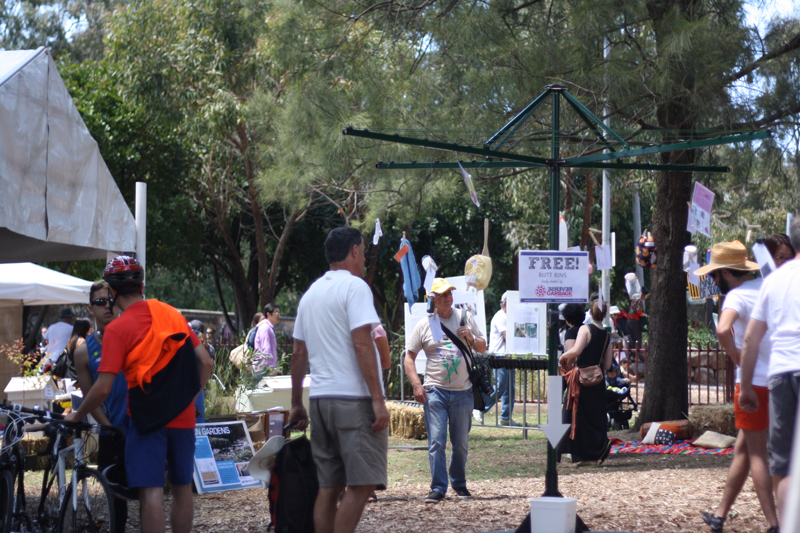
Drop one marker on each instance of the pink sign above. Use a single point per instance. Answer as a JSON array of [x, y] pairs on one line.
[[702, 198]]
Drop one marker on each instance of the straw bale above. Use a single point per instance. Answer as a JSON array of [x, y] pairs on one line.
[[716, 417], [406, 422]]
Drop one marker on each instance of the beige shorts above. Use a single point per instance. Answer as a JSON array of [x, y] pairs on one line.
[[346, 450]]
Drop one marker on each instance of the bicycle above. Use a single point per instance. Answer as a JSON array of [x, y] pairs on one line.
[[84, 504]]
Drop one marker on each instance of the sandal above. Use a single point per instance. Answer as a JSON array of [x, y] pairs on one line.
[[715, 522], [606, 453]]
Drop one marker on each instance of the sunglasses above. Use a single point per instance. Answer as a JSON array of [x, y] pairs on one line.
[[101, 302]]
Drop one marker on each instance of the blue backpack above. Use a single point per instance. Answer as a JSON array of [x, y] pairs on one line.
[[251, 338]]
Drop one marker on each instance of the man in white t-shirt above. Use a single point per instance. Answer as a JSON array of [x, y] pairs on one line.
[[447, 394], [732, 273], [58, 334], [349, 420], [505, 376], [777, 313]]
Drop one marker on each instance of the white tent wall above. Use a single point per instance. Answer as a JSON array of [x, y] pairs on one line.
[[30, 284], [59, 200]]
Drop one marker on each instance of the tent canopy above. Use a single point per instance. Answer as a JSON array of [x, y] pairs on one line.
[[36, 285], [60, 202]]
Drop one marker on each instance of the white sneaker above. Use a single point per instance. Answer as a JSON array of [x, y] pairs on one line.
[[478, 416]]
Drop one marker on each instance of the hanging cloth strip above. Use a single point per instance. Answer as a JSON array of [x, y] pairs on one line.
[[411, 281]]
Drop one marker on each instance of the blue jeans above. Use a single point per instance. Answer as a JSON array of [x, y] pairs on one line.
[[504, 378], [456, 407]]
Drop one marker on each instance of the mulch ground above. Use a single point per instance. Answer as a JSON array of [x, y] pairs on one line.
[[641, 493]]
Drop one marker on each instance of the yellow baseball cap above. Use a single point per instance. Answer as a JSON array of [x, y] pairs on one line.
[[441, 286]]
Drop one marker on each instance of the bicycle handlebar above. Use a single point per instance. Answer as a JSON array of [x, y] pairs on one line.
[[40, 414], [47, 416]]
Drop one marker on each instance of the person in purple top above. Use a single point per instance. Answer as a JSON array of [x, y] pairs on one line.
[[266, 345]]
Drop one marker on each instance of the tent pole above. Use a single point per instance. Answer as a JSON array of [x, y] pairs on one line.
[[606, 275], [141, 224]]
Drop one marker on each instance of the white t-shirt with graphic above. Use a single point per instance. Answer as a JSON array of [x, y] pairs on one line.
[[335, 305], [743, 299], [445, 367]]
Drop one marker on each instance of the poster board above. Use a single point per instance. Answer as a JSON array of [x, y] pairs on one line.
[[526, 326], [553, 277], [464, 297], [221, 454]]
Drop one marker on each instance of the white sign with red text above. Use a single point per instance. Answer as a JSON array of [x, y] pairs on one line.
[[553, 277]]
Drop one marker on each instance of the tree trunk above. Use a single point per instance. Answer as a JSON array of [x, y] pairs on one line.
[[666, 396], [272, 281], [258, 217], [666, 382]]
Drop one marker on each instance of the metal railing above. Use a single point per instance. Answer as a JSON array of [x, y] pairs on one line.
[[711, 375]]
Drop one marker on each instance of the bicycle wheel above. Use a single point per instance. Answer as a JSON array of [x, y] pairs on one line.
[[6, 499], [49, 504], [20, 521], [93, 512]]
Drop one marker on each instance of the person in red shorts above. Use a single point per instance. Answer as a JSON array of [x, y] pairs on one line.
[[166, 367], [732, 273]]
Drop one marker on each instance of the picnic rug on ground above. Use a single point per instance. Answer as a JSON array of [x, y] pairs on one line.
[[679, 447]]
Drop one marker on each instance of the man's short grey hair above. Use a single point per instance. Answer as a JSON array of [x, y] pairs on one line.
[[794, 233], [339, 243]]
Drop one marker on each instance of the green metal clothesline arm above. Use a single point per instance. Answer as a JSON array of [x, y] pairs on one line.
[[593, 122], [454, 165], [652, 166], [515, 164], [687, 145], [452, 147], [512, 126]]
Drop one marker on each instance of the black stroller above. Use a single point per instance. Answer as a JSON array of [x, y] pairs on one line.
[[619, 408]]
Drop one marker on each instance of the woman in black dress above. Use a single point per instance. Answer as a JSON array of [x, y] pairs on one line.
[[588, 439]]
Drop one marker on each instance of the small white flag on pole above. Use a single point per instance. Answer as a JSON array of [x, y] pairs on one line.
[[378, 232]]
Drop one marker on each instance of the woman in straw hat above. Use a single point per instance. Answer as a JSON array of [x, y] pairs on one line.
[[732, 273]]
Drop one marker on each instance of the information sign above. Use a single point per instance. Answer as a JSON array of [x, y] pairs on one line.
[[526, 326], [553, 277], [222, 452]]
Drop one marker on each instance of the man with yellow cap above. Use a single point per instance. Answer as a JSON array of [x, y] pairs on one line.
[[447, 393], [732, 273]]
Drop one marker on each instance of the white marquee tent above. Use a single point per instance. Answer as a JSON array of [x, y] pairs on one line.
[[30, 284], [59, 201]]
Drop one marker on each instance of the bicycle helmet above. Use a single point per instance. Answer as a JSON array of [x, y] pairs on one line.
[[124, 274]]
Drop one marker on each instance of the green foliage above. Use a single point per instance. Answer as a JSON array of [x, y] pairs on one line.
[[701, 334]]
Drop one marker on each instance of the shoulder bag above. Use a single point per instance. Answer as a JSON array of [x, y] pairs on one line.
[[482, 390], [589, 376], [60, 367]]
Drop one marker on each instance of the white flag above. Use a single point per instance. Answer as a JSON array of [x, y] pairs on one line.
[[378, 232]]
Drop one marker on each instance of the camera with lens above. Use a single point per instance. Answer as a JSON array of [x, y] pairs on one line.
[[481, 380]]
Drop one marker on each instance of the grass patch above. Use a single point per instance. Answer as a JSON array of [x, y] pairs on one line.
[[494, 454]]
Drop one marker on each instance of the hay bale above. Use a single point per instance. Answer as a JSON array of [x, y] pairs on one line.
[[406, 422], [718, 417]]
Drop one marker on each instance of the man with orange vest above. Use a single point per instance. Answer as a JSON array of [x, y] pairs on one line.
[[166, 367]]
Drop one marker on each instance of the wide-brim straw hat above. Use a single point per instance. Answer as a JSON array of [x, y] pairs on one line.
[[731, 255]]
